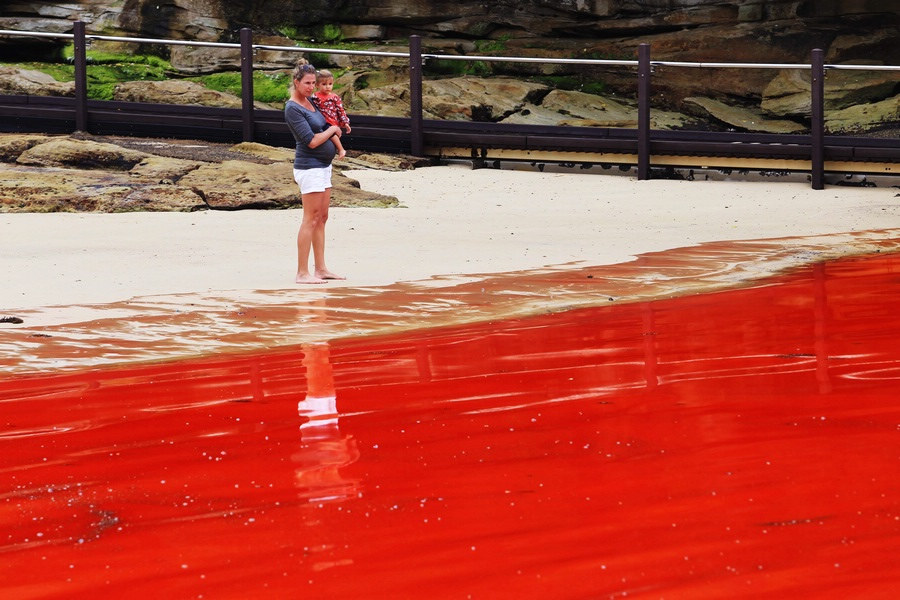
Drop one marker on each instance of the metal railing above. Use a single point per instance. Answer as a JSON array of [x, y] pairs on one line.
[[417, 58]]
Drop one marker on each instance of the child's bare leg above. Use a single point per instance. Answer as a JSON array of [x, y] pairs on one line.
[[340, 147]]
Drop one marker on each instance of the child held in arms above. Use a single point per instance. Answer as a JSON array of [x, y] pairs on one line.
[[331, 106]]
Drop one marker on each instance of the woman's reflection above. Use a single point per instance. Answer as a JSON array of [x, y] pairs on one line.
[[323, 450]]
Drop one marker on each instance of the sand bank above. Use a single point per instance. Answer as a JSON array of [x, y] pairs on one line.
[[97, 289]]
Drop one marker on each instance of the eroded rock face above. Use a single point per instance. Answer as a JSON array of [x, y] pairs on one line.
[[237, 184], [163, 169], [788, 94], [176, 91], [771, 31], [213, 20], [13, 145], [744, 118], [56, 189], [202, 20], [855, 119], [65, 152], [461, 98]]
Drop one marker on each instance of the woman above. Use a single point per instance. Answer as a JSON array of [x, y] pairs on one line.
[[312, 172]]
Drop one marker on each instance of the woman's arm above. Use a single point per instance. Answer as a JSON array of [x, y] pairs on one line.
[[320, 138]]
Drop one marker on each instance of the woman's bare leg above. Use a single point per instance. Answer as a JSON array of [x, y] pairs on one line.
[[318, 242], [315, 212]]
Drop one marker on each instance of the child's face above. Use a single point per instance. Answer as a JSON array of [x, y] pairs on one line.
[[325, 85]]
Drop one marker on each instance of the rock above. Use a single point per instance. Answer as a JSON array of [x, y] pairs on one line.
[[85, 154], [201, 20], [579, 105], [274, 59], [353, 160], [509, 101], [16, 81], [477, 99], [200, 60], [461, 98], [847, 47], [355, 32], [534, 114], [861, 117], [367, 70], [530, 19], [234, 184], [578, 109], [788, 94], [160, 197], [32, 23], [771, 31], [384, 101], [384, 162], [264, 151], [846, 88], [163, 169], [12, 145], [93, 179], [53, 189], [176, 91], [589, 110], [744, 118], [347, 193]]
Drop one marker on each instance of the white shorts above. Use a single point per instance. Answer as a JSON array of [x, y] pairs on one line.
[[313, 180]]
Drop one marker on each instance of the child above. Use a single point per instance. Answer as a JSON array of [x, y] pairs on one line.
[[332, 107]]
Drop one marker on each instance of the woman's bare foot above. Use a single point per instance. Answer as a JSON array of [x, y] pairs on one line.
[[326, 274], [307, 278]]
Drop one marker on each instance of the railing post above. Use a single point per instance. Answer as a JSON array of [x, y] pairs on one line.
[[415, 96], [644, 111], [247, 83], [80, 57], [817, 120]]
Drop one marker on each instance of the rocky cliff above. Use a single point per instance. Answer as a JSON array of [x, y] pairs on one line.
[[769, 31], [786, 28]]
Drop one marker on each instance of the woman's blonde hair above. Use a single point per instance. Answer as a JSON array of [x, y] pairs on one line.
[[303, 68]]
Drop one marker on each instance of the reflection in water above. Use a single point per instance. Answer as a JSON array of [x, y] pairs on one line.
[[323, 449]]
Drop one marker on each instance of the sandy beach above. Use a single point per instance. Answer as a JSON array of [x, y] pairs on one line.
[[455, 220], [86, 290]]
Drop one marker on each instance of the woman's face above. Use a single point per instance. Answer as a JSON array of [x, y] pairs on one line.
[[306, 85]]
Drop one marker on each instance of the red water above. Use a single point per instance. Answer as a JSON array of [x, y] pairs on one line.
[[724, 445]]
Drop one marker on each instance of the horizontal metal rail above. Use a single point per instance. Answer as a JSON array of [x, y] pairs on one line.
[[641, 146], [454, 57]]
